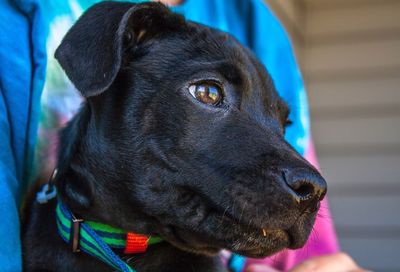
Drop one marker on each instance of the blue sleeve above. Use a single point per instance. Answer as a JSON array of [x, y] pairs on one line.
[[22, 71], [271, 44], [10, 259]]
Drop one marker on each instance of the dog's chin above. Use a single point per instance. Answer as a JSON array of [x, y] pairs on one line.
[[246, 240], [251, 245]]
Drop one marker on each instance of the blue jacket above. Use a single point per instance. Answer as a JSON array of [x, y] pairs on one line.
[[23, 32]]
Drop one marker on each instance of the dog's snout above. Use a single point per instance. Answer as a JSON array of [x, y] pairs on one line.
[[304, 185]]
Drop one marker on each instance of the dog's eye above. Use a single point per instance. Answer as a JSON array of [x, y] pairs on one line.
[[207, 93]]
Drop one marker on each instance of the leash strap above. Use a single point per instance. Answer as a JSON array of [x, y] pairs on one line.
[[96, 239]]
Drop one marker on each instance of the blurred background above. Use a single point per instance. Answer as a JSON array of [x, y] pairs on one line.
[[349, 52]]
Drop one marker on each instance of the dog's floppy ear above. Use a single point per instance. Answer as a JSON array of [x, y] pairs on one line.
[[91, 51]]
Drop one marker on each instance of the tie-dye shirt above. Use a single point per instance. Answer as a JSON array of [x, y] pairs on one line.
[[252, 23]]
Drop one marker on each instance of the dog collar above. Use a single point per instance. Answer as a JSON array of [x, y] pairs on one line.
[[98, 239]]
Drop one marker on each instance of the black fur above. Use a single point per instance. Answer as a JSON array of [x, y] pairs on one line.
[[145, 156]]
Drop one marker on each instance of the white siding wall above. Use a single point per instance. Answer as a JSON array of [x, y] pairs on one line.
[[349, 52], [292, 14]]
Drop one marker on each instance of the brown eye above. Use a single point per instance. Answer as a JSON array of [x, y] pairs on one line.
[[207, 93]]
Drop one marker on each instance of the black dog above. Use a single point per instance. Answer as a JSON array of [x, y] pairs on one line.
[[181, 136]]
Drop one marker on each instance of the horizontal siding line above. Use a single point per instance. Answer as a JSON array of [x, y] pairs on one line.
[[367, 189], [370, 232], [355, 37], [292, 27], [358, 150], [365, 81], [353, 74], [301, 5], [354, 112], [346, 4]]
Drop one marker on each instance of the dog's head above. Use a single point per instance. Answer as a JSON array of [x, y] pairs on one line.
[[181, 136]]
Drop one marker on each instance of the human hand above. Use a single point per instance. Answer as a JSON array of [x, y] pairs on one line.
[[339, 262]]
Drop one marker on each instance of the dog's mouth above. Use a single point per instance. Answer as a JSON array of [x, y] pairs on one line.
[[218, 231]]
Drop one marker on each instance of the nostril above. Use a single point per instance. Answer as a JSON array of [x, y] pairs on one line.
[[304, 185], [303, 189]]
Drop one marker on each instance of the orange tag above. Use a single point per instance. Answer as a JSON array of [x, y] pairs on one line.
[[136, 243]]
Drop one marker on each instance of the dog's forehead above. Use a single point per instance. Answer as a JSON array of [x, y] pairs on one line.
[[195, 43], [197, 49], [200, 47]]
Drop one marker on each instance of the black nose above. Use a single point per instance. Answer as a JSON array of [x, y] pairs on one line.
[[304, 185]]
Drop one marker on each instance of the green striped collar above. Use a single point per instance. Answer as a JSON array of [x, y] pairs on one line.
[[98, 239]]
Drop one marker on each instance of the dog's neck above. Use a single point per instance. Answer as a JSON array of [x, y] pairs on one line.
[[99, 239], [158, 257], [43, 242]]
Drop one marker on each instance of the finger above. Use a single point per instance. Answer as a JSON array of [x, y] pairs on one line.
[[260, 268], [339, 262]]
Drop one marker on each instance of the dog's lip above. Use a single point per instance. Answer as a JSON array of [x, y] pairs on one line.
[[297, 239], [292, 233], [255, 238], [260, 232], [253, 243], [291, 237], [257, 229], [174, 235]]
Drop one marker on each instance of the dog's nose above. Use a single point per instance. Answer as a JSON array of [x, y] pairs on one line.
[[304, 185]]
